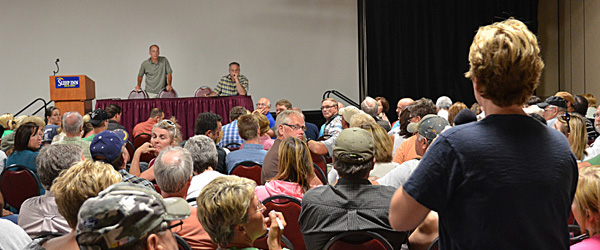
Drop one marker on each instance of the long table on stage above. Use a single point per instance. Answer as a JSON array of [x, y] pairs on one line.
[[184, 109]]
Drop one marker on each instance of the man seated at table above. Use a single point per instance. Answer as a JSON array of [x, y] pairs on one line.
[[156, 115], [231, 84]]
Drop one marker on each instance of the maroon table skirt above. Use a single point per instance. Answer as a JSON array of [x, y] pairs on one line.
[[184, 109]]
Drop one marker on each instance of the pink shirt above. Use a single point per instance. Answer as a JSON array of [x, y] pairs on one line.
[[592, 243], [267, 142]]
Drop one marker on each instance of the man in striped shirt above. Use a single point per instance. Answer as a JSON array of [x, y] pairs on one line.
[[231, 84]]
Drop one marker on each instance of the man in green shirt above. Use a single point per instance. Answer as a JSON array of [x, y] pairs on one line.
[[72, 126], [158, 73]]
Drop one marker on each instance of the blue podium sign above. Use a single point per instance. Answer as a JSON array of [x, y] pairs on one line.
[[67, 82]]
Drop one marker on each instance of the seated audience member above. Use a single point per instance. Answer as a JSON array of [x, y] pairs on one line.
[[52, 124], [252, 150], [586, 207], [174, 170], [506, 180], [427, 130], [353, 204], [282, 105], [453, 111], [230, 130], [156, 115], [383, 148], [554, 107], [592, 105], [296, 172], [99, 120], [312, 131], [533, 100], [233, 217], [402, 134], [39, 215], [263, 106], [326, 146], [164, 134], [333, 122], [383, 107], [127, 216], [265, 138], [209, 124], [370, 106], [8, 123], [580, 106], [289, 123], [466, 116], [73, 127], [28, 140], [400, 106], [418, 110], [442, 104], [109, 147], [572, 125], [8, 142], [12, 236], [71, 188], [114, 112], [204, 154], [594, 149], [87, 126]]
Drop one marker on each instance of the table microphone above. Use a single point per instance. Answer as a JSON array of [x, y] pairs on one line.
[[57, 68]]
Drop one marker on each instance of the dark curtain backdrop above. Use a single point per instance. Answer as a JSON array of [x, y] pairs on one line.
[[420, 48]]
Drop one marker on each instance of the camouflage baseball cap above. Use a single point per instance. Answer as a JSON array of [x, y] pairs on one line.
[[123, 214], [431, 125], [354, 145]]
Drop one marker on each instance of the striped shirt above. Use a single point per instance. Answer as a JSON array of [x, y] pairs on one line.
[[226, 86]]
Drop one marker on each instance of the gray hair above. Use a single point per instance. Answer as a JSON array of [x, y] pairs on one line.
[[203, 151], [72, 122], [172, 175], [370, 106], [284, 117], [55, 158], [443, 102]]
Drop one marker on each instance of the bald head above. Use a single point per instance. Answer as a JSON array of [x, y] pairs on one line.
[[72, 123], [264, 105], [403, 103]]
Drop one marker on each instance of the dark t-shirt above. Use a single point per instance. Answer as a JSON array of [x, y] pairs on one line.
[[505, 182], [221, 166]]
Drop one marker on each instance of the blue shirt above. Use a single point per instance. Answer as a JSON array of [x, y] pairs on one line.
[[249, 152], [230, 135], [271, 119]]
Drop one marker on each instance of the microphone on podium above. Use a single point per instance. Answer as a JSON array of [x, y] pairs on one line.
[[57, 68]]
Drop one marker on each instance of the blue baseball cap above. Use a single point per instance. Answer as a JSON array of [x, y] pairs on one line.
[[107, 145]]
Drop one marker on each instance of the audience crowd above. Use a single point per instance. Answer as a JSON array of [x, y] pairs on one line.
[[506, 173]]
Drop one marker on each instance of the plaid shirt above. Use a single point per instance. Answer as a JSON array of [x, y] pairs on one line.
[[231, 134], [226, 86], [134, 179]]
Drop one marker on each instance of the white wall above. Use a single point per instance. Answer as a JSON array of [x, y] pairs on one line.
[[287, 48]]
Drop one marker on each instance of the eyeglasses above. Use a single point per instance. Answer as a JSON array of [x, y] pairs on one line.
[[567, 118], [261, 105], [259, 208], [295, 127], [328, 107], [164, 226]]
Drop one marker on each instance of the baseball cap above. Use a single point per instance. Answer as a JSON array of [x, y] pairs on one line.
[[553, 100], [98, 116], [107, 145], [465, 116], [348, 112], [431, 125], [354, 145], [124, 214]]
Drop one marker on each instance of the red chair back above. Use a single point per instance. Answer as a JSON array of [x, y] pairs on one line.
[[18, 185], [248, 169], [203, 90], [167, 94], [350, 241], [130, 149], [140, 139], [137, 94], [233, 146], [290, 208], [320, 161], [322, 177]]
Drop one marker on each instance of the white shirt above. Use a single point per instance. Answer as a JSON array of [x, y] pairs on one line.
[[198, 183]]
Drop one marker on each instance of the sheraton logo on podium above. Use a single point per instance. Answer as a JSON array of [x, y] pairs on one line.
[[67, 82]]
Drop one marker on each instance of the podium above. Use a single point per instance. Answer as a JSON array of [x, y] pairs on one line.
[[72, 93]]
